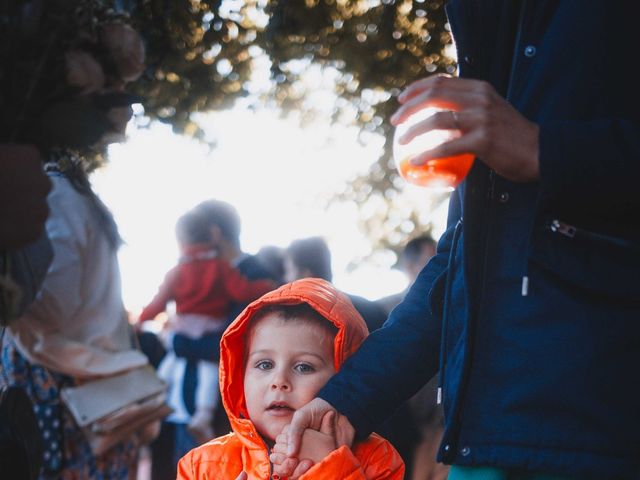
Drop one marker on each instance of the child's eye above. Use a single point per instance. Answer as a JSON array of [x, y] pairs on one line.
[[304, 368], [264, 365]]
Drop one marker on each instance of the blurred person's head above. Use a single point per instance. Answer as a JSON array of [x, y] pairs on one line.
[[272, 259], [415, 255], [223, 223], [191, 230], [308, 257]]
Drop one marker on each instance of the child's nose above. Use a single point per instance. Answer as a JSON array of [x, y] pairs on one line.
[[280, 382]]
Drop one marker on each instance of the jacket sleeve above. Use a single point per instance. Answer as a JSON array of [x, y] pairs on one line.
[[399, 358], [159, 302], [240, 288], [382, 463]]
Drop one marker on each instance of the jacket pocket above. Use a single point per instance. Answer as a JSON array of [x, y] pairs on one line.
[[595, 262]]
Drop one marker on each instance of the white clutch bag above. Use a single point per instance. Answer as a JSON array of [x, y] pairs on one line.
[[112, 409]]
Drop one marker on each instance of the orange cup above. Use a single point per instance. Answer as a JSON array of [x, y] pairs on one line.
[[440, 173]]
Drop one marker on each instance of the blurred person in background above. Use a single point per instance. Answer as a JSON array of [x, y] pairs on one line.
[[23, 211], [414, 256], [272, 258], [223, 225], [311, 258], [204, 286], [64, 93]]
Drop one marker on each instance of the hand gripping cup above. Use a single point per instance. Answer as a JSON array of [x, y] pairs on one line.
[[440, 173]]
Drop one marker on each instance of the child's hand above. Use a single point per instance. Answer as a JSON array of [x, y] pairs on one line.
[[316, 445]]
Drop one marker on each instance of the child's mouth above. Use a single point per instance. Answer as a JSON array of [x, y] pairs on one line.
[[279, 408]]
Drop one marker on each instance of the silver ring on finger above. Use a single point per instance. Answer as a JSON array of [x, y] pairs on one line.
[[455, 120]]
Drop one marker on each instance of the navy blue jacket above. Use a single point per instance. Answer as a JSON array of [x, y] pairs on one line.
[[531, 307]]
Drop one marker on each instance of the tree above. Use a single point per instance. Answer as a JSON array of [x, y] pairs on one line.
[[200, 56]]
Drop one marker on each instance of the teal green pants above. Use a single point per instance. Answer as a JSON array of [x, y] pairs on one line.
[[489, 473]]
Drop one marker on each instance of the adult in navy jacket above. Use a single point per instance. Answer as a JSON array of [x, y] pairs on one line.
[[531, 308]]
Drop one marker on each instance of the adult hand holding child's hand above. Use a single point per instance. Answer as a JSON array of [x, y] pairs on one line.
[[316, 445], [307, 439], [289, 468]]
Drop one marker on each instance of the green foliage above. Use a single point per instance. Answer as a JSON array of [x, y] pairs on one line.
[[200, 52], [199, 56]]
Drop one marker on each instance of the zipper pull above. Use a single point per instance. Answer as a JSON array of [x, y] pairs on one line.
[[559, 227], [439, 396]]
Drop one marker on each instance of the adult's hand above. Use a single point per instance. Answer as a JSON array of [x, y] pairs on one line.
[[311, 416], [490, 127], [23, 195]]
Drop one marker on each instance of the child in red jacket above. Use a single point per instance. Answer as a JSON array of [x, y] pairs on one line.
[[274, 358], [203, 287]]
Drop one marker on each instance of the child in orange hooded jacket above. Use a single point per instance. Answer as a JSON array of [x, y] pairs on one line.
[[274, 358]]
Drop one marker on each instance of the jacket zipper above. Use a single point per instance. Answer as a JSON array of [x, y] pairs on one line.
[[573, 232], [445, 313], [565, 229]]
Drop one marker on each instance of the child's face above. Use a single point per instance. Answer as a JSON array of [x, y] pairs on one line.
[[288, 362]]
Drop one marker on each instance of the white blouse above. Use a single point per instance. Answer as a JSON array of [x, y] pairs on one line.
[[77, 324]]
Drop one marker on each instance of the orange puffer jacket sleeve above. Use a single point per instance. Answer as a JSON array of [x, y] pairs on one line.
[[374, 458]]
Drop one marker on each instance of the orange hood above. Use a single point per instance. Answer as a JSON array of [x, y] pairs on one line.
[[323, 297]]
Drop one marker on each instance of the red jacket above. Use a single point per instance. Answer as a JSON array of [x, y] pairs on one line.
[[204, 284], [243, 449]]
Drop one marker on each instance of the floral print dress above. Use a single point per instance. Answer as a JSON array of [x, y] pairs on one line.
[[67, 455]]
